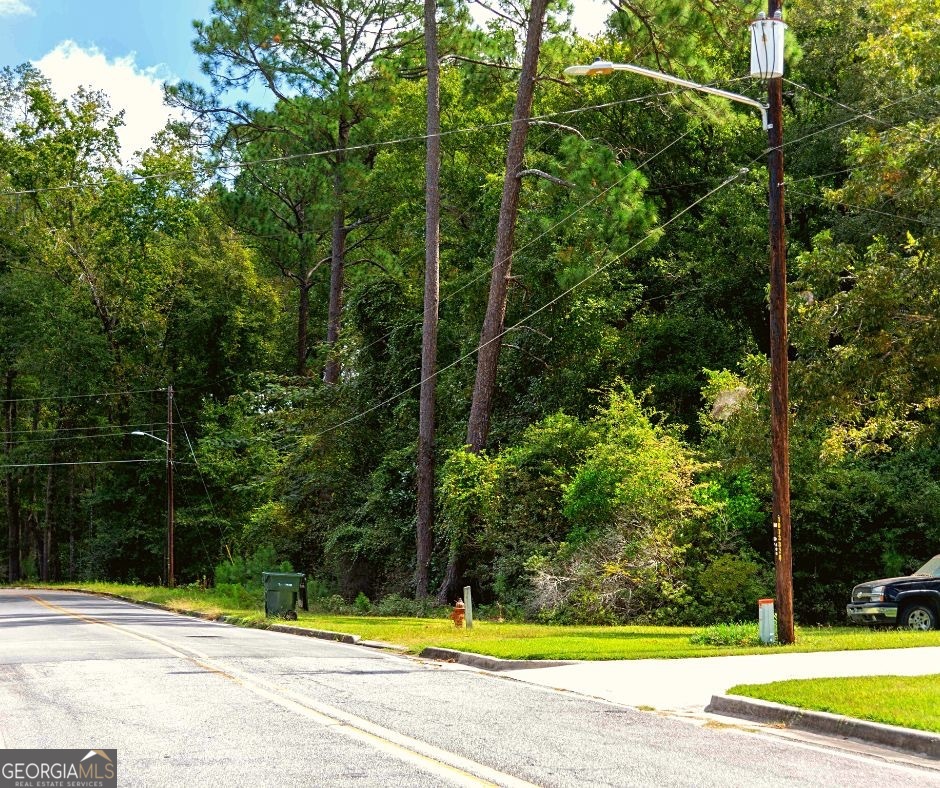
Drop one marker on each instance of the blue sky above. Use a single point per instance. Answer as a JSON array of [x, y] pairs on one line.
[[158, 31], [129, 48]]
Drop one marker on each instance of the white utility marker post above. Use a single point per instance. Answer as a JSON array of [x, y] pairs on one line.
[[468, 605], [766, 621]]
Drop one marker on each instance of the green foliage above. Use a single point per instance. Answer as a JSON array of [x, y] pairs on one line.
[[362, 603], [247, 572], [590, 503], [733, 634]]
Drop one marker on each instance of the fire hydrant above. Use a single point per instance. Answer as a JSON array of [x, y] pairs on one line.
[[459, 614]]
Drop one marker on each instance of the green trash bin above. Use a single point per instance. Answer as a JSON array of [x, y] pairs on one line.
[[281, 592]]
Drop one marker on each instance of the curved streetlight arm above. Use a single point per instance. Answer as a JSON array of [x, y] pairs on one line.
[[606, 67], [149, 435]]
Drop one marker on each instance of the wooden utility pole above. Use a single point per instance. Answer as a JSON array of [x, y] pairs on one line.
[[12, 492], [779, 398], [171, 569], [432, 229]]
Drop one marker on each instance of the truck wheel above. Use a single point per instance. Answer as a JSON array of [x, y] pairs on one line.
[[919, 617]]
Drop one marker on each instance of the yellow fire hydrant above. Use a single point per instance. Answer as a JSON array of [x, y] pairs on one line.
[[459, 614]]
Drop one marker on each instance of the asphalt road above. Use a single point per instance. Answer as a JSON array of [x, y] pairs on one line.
[[193, 703]]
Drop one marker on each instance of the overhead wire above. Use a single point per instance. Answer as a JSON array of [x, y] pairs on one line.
[[60, 438], [724, 183], [201, 477], [532, 314], [87, 462], [450, 294], [82, 396], [824, 200], [850, 108], [240, 164], [75, 429]]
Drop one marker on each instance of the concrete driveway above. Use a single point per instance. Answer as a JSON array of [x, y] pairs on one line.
[[688, 684]]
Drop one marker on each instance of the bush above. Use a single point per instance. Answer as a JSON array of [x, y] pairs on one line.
[[728, 589], [734, 634], [247, 574], [362, 603], [335, 604], [238, 596]]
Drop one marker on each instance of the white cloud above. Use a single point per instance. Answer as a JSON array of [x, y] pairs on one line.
[[137, 91], [15, 8]]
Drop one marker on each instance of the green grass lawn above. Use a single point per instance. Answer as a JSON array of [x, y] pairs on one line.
[[909, 701], [520, 640]]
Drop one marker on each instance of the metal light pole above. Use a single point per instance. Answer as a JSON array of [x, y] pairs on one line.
[[170, 504], [767, 63]]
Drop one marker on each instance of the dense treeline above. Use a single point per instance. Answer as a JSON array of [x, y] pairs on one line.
[[624, 471]]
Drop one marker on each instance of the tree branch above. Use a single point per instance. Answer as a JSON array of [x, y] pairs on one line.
[[540, 174]]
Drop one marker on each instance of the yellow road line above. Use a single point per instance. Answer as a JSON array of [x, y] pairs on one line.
[[426, 756]]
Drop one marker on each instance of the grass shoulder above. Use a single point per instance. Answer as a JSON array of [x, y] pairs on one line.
[[908, 701], [515, 640]]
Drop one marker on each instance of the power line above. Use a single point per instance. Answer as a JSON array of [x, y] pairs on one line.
[[544, 233], [100, 427], [20, 443], [532, 314], [855, 109], [865, 209], [199, 471], [82, 396], [89, 462], [235, 165], [483, 274], [726, 182]]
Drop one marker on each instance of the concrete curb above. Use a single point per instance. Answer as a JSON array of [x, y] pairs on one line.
[[906, 739], [489, 663]]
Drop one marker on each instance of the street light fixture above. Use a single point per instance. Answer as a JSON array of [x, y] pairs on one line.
[[171, 569], [766, 63], [601, 67]]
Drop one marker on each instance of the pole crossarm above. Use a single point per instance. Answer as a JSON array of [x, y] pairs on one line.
[[606, 67]]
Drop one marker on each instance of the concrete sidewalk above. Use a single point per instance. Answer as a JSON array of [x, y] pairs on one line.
[[688, 684]]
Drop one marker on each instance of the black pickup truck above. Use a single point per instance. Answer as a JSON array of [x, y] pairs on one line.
[[912, 602]]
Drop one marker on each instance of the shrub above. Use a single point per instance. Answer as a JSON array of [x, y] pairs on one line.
[[238, 596], [628, 504], [238, 571], [335, 604], [362, 603], [729, 587], [734, 634]]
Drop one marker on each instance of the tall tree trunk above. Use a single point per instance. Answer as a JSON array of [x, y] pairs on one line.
[[432, 226], [12, 488], [71, 521], [481, 406], [303, 317], [337, 258]]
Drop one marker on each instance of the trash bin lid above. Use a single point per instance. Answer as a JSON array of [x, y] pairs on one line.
[[285, 580]]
